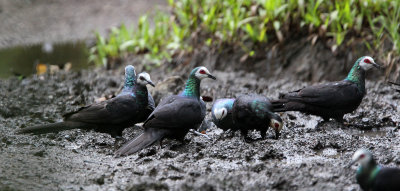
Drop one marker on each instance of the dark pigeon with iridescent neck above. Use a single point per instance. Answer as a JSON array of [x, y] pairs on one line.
[[253, 112], [111, 116], [331, 100], [130, 81], [174, 116], [247, 112], [372, 177]]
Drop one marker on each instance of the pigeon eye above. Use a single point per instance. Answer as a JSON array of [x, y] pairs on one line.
[[141, 78], [362, 156], [276, 125], [202, 72], [367, 61]]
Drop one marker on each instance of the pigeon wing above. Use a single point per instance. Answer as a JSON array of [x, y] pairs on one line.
[[176, 112], [325, 95], [113, 111]]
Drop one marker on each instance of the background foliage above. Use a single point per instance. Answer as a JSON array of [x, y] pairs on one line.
[[249, 24]]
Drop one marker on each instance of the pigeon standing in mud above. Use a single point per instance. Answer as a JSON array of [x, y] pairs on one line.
[[371, 176], [130, 81], [111, 116], [253, 111], [331, 100], [174, 116]]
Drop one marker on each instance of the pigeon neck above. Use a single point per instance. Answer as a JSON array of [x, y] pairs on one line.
[[140, 93], [357, 76], [129, 83], [260, 108], [368, 172], [192, 88], [374, 172]]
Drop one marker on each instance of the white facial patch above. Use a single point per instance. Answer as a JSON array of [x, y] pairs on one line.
[[276, 125], [143, 78], [202, 73], [362, 156], [367, 63], [220, 113]]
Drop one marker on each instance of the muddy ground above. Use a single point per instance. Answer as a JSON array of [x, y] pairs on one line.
[[306, 157]]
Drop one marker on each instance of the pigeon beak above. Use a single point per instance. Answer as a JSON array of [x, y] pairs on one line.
[[211, 76], [151, 83], [376, 65], [351, 164]]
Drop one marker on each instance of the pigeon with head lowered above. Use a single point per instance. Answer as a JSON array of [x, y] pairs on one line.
[[247, 112], [111, 116], [372, 177], [174, 116], [331, 100]]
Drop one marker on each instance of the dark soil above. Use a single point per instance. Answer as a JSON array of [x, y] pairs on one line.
[[306, 157]]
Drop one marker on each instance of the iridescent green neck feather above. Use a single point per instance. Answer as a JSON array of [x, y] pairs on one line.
[[357, 75], [192, 88], [130, 81], [141, 94], [369, 171]]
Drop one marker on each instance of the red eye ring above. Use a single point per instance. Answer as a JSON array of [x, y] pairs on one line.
[[367, 61], [276, 125], [202, 72], [362, 156]]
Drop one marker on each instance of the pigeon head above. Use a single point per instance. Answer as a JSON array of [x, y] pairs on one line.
[[366, 63], [221, 108], [362, 157], [357, 72], [192, 87], [144, 79], [276, 123], [202, 72], [130, 71], [130, 76]]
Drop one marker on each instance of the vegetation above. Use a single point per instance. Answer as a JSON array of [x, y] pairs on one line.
[[249, 24]]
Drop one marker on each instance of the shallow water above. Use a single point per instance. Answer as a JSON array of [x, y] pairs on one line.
[[24, 60]]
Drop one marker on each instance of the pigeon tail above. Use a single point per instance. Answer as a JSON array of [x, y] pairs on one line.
[[149, 137], [53, 127], [279, 105]]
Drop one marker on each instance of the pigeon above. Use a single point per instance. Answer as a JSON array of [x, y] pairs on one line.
[[174, 116], [372, 177], [331, 100], [252, 111], [130, 81], [111, 116]]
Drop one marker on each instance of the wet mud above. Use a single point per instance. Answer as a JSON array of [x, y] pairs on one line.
[[306, 157]]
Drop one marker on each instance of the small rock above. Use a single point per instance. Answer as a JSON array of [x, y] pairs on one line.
[[169, 86], [40, 153], [100, 180]]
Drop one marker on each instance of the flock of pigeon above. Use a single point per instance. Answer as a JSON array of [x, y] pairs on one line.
[[176, 115]]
